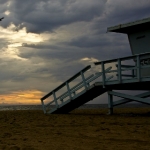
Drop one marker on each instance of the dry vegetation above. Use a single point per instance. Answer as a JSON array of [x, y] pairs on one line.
[[86, 129]]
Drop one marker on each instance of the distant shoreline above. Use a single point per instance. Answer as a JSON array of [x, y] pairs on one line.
[[85, 106]]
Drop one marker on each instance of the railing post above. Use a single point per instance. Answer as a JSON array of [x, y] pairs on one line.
[[138, 68], [74, 93], [133, 74], [103, 73], [119, 70], [69, 92], [54, 95], [61, 100], [110, 104], [43, 107], [84, 81]]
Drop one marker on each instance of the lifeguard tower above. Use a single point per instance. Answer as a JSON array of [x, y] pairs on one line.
[[139, 38], [126, 73]]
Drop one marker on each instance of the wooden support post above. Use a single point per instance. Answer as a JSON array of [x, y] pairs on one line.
[[103, 73], [119, 70], [61, 100], [130, 97], [133, 74], [54, 95], [74, 93], [110, 104], [68, 88], [88, 84], [43, 106], [138, 68], [84, 81], [123, 101]]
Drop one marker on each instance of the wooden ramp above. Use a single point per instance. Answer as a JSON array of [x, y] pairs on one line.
[[119, 76], [81, 99]]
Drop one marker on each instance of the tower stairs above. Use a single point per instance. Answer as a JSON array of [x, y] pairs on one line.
[[126, 73]]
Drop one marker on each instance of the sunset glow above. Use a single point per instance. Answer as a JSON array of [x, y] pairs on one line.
[[45, 43], [22, 97]]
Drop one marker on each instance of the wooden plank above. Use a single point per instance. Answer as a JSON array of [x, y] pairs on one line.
[[133, 98], [73, 89], [125, 66], [123, 101], [126, 75], [122, 58]]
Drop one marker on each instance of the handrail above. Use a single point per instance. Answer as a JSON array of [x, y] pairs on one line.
[[76, 87], [66, 93], [136, 72], [79, 85], [73, 88], [138, 58], [122, 58], [64, 84], [125, 66]]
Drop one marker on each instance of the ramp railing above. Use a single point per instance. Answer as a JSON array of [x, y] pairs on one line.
[[71, 93], [139, 68], [122, 68]]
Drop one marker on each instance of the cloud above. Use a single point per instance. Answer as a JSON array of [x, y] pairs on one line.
[[40, 16], [26, 97], [43, 43]]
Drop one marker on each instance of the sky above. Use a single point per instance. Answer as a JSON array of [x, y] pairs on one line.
[[45, 42]]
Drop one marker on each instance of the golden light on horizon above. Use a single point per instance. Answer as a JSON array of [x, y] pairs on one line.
[[22, 97]]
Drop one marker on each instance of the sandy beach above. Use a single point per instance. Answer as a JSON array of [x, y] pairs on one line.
[[82, 129]]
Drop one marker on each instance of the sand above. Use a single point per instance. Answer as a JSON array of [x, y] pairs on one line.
[[85, 129]]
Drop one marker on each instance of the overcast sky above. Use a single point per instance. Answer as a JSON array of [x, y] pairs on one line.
[[44, 42]]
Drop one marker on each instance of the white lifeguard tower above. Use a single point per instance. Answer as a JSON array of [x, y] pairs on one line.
[[139, 38], [121, 76]]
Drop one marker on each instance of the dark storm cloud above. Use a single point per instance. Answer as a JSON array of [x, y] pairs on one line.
[[80, 47], [88, 42], [119, 12], [129, 10], [3, 5], [39, 16], [40, 46], [100, 41], [44, 65], [52, 52], [67, 70]]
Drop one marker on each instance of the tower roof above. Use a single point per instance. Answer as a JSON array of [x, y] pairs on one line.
[[131, 27]]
